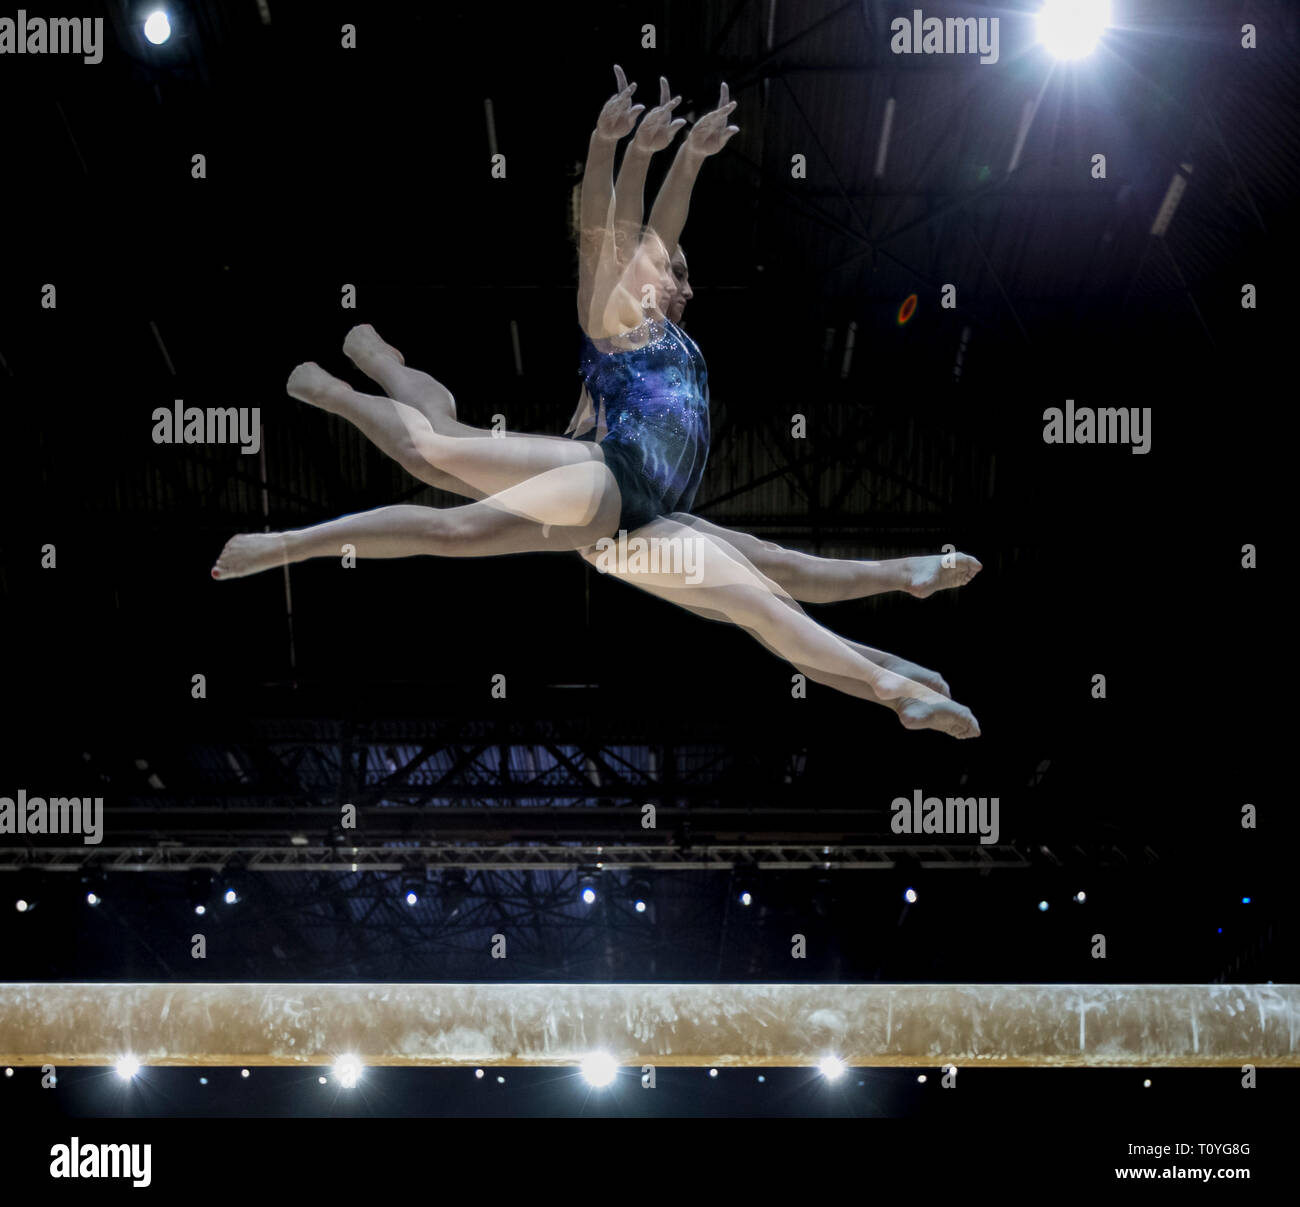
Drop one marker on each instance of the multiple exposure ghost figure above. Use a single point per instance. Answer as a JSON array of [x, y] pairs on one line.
[[619, 486]]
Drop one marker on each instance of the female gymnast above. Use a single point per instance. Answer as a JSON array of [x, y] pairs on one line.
[[632, 461]]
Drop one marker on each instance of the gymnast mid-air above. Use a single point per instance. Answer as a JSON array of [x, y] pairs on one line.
[[632, 460]]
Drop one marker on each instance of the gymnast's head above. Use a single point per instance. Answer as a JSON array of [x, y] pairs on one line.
[[667, 274], [649, 276]]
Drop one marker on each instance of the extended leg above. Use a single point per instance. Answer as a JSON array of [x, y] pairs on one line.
[[487, 463], [704, 574], [405, 530], [383, 363], [815, 579]]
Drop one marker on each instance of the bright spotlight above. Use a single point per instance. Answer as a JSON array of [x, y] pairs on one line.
[[348, 1071], [909, 895], [832, 1068], [157, 28], [1071, 29], [21, 906], [91, 899], [127, 1067], [200, 910], [411, 898], [1042, 907], [599, 1069], [1081, 896], [589, 895], [746, 898], [230, 896], [639, 906]]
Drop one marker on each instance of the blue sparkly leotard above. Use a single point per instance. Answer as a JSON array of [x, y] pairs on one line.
[[649, 411]]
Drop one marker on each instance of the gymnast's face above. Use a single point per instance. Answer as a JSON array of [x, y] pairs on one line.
[[682, 287], [652, 267]]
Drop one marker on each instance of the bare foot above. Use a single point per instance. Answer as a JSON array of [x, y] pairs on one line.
[[909, 670], [363, 346], [310, 383], [249, 553], [925, 575], [947, 716]]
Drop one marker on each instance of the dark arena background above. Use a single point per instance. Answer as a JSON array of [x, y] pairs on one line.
[[1108, 231]]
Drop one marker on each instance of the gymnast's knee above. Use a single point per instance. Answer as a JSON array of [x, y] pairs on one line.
[[754, 607], [418, 458]]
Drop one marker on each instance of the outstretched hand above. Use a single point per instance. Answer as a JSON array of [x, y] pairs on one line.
[[619, 114], [710, 134], [658, 128]]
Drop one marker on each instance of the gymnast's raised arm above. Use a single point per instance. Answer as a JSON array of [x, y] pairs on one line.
[[657, 129], [598, 268], [707, 137]]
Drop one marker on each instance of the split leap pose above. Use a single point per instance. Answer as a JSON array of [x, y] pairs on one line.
[[626, 477]]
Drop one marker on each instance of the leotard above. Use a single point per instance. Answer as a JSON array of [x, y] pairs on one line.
[[648, 409]]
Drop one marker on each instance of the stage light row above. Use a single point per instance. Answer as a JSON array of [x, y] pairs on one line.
[[598, 1070], [587, 895]]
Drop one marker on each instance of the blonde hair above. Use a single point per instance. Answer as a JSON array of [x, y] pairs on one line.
[[628, 238]]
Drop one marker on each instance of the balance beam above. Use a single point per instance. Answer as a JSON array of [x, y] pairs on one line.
[[750, 1025]]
